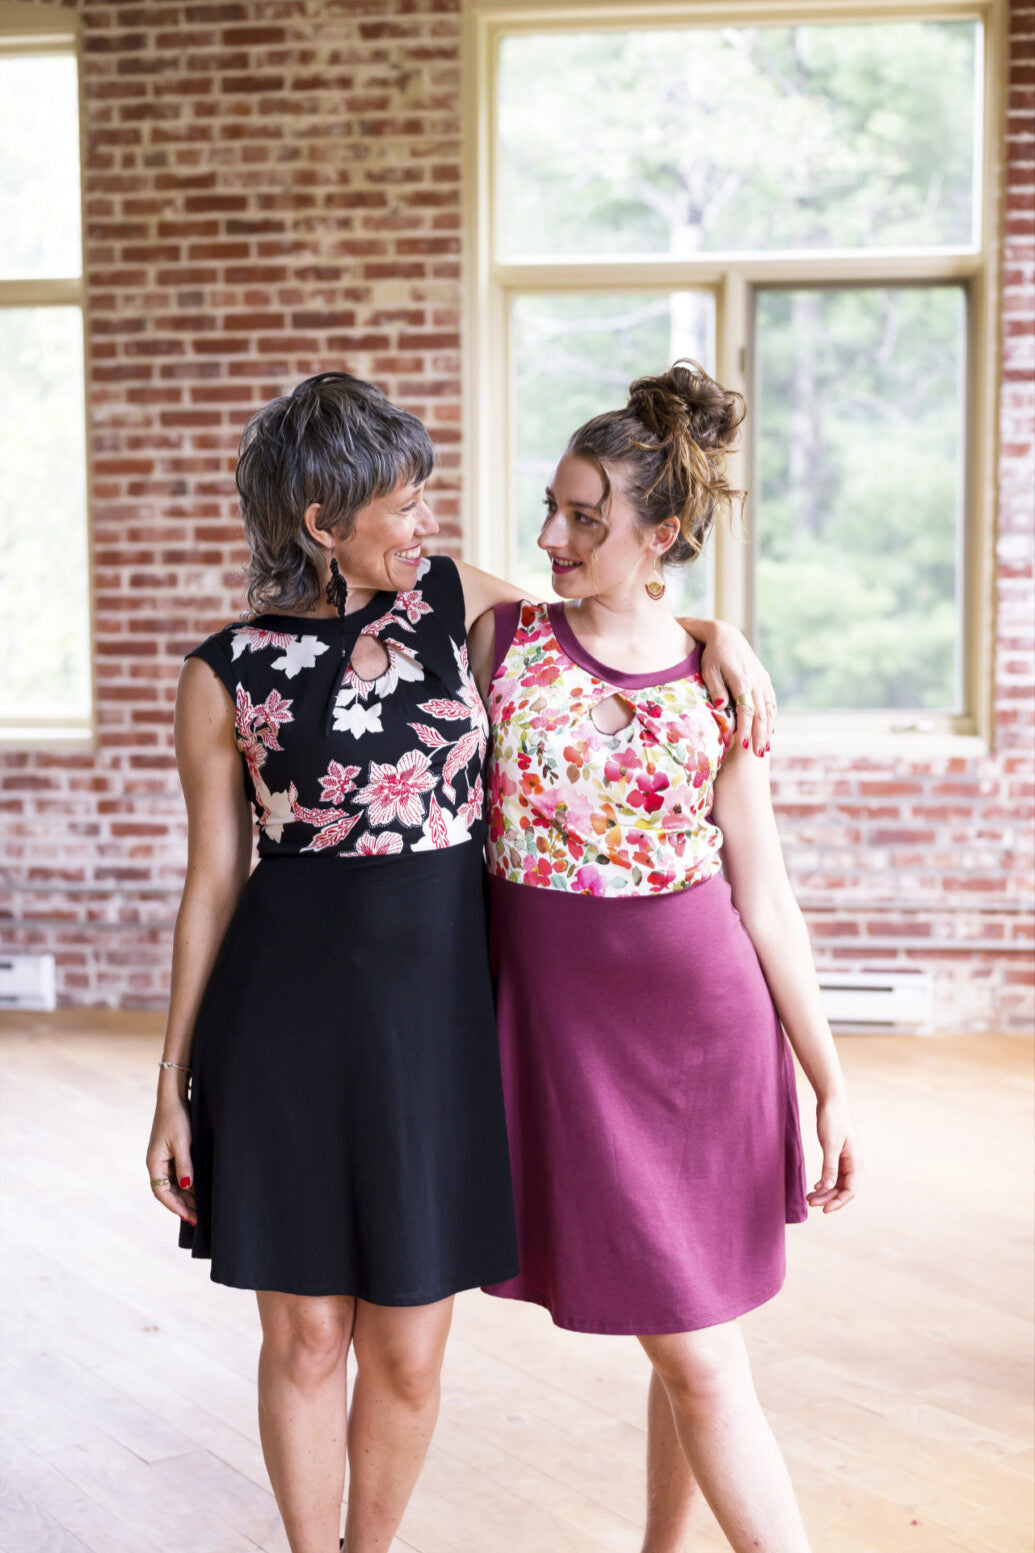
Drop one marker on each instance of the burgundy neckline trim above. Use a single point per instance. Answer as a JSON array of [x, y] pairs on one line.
[[577, 653]]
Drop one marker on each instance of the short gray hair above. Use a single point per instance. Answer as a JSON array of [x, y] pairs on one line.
[[336, 440]]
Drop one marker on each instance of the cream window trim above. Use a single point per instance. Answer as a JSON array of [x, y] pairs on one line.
[[734, 279], [27, 28]]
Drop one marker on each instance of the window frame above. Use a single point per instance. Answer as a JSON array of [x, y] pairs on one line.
[[30, 29], [736, 280]]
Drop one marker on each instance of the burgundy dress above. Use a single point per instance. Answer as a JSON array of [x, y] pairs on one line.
[[651, 1106]]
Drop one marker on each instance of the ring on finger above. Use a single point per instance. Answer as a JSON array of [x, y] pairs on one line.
[[746, 702], [160, 1181]]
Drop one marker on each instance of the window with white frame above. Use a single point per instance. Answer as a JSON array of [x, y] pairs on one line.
[[46, 687], [804, 209]]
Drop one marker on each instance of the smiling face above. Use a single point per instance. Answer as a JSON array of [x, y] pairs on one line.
[[383, 547], [589, 553]]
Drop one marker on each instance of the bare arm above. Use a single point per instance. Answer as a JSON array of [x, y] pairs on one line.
[[482, 591], [481, 647], [754, 866], [728, 662], [219, 846]]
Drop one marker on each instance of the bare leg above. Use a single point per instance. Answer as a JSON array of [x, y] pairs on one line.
[[399, 1351], [671, 1490], [727, 1441], [305, 1343]]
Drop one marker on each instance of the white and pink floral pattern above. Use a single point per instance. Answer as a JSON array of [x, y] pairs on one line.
[[571, 808], [402, 754]]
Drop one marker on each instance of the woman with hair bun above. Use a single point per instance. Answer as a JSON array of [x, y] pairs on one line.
[[646, 947], [329, 1123]]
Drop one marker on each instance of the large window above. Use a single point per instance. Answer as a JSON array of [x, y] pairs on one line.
[[806, 210], [46, 687]]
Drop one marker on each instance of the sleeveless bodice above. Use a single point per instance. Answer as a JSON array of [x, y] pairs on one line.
[[368, 768], [575, 809]]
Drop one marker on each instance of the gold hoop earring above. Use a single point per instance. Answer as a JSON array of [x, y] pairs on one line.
[[655, 585]]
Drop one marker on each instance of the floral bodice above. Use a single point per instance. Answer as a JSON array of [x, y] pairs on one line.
[[572, 808], [366, 768]]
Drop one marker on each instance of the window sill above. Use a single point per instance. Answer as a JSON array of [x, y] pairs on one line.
[[68, 739], [862, 733]]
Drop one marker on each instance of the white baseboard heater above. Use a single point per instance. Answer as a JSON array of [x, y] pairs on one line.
[[878, 1000], [27, 981]]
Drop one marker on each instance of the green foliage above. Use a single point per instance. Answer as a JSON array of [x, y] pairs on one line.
[[44, 584], [696, 139], [573, 356], [858, 470]]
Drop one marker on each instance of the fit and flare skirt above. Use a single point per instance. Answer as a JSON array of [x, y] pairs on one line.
[[347, 1115], [651, 1106]]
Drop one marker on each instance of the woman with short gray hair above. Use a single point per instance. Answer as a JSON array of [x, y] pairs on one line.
[[329, 1124]]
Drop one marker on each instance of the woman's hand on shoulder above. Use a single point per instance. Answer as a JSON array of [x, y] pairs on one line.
[[732, 670], [841, 1163], [482, 591]]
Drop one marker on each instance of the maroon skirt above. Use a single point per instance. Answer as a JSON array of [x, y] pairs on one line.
[[651, 1108]]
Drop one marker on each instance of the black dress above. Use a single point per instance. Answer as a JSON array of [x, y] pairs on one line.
[[348, 1125]]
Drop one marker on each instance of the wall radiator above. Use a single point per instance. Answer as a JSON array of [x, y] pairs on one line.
[[27, 981], [878, 1000]]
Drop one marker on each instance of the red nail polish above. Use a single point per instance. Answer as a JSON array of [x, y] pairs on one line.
[[185, 1180], [745, 744]]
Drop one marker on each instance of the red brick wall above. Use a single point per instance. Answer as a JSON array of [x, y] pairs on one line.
[[273, 189]]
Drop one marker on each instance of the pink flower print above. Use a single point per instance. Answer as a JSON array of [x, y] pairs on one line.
[[540, 673], [617, 765], [662, 880], [412, 605], [471, 811], [339, 781], [430, 737], [463, 750], [650, 709], [394, 792], [648, 791], [589, 880], [447, 711], [386, 845], [332, 835], [317, 817], [698, 768], [268, 717], [250, 638]]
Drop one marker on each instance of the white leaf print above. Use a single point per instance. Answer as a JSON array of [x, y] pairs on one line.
[[356, 719], [300, 653], [441, 829]]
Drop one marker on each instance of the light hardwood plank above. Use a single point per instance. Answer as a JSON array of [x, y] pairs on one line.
[[896, 1365]]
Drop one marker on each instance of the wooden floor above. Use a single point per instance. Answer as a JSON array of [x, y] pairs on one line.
[[896, 1365]]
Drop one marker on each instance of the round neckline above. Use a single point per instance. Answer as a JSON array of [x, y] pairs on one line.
[[372, 609], [574, 649]]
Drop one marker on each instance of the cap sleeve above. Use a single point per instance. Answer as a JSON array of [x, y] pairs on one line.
[[215, 651]]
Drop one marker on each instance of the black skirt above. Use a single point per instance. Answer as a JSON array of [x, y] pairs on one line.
[[348, 1124]]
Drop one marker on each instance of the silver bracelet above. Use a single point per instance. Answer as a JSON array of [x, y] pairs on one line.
[[177, 1065]]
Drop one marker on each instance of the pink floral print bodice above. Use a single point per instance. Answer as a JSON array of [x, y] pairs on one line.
[[572, 808], [351, 767]]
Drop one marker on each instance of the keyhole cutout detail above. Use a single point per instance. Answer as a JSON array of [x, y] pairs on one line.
[[612, 714], [369, 659]]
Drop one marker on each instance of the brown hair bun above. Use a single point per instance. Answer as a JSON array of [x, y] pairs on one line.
[[670, 443]]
